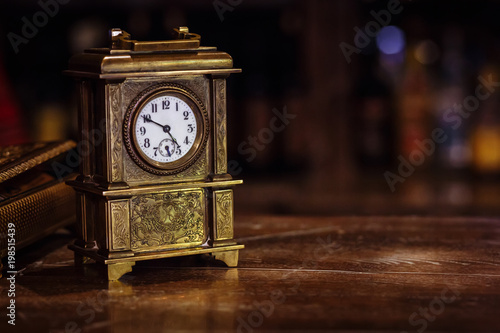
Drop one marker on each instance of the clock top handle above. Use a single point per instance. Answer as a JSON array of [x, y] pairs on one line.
[[183, 39]]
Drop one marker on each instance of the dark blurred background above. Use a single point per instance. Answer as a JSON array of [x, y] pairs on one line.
[[361, 110]]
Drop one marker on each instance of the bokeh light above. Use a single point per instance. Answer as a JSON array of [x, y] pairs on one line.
[[390, 40], [427, 52]]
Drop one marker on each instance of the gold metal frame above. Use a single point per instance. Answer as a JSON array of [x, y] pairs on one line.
[[202, 123]]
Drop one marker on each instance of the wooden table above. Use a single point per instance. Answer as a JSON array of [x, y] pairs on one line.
[[315, 274]]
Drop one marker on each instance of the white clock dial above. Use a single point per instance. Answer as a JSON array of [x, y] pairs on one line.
[[165, 129]]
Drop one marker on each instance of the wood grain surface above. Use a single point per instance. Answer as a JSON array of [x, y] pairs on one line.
[[297, 274]]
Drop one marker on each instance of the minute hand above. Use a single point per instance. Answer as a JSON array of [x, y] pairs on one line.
[[175, 141]]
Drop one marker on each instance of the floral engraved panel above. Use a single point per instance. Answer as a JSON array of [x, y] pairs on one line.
[[221, 149], [166, 219], [116, 137], [224, 214], [120, 225]]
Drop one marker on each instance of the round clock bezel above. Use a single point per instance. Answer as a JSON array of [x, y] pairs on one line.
[[130, 120]]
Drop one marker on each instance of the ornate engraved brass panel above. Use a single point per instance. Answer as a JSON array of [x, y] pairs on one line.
[[202, 123], [120, 225], [200, 169], [172, 219], [220, 126], [115, 115], [223, 201]]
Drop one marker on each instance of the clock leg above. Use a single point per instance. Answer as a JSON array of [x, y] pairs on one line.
[[116, 271], [230, 258]]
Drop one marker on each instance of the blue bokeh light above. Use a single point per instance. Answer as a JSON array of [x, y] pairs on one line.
[[390, 40]]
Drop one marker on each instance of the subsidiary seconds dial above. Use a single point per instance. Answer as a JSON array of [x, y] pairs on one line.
[[165, 129]]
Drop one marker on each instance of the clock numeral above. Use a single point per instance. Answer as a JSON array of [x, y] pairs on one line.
[[156, 150], [190, 128], [146, 143], [142, 130], [147, 118], [176, 106], [154, 108], [185, 114], [178, 151], [165, 105], [186, 140]]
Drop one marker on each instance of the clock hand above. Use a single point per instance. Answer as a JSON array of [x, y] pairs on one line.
[[154, 122], [165, 128], [173, 139], [168, 152]]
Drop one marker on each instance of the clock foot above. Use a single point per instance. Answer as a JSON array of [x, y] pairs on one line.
[[117, 270], [230, 258]]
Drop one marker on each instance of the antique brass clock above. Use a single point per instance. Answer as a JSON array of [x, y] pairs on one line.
[[153, 176]]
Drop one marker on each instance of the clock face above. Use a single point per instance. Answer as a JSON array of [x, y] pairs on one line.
[[165, 129]]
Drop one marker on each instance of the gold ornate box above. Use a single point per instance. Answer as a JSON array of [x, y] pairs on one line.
[[34, 200], [153, 180]]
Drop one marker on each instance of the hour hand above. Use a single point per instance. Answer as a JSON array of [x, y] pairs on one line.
[[149, 120]]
